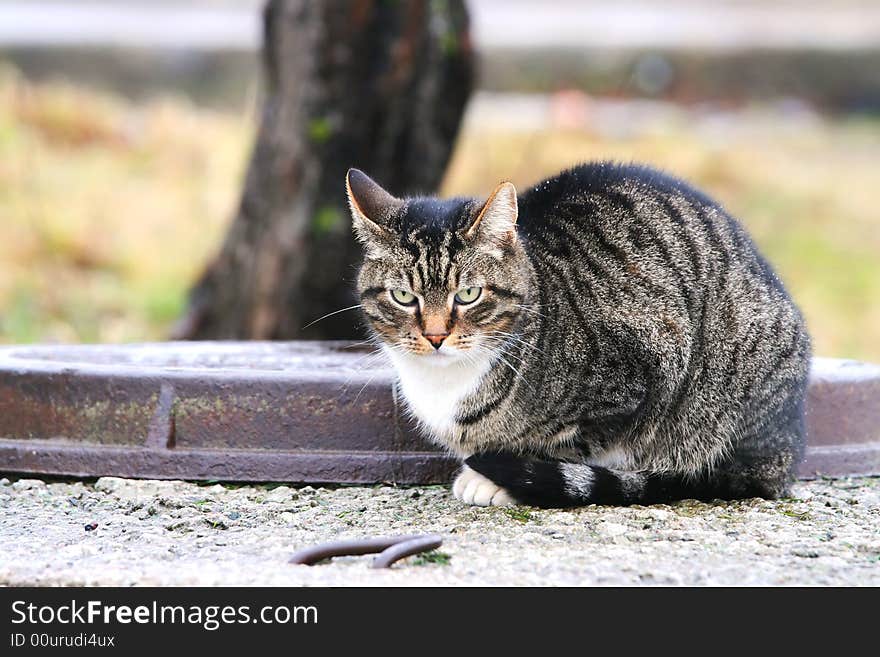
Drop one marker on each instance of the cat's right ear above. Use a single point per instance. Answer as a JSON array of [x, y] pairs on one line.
[[495, 224], [371, 208]]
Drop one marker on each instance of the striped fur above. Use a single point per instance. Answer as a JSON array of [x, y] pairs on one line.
[[635, 346]]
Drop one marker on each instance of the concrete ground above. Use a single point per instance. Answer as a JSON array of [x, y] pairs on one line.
[[129, 532]]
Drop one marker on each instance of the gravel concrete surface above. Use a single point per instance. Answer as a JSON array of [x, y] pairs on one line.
[[129, 532]]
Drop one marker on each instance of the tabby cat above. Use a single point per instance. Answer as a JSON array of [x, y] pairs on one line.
[[611, 336]]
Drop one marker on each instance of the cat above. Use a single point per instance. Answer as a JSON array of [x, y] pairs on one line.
[[611, 336]]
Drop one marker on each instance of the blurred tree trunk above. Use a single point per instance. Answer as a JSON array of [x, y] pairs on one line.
[[365, 83]]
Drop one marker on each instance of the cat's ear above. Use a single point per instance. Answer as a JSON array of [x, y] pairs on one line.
[[495, 223], [371, 208]]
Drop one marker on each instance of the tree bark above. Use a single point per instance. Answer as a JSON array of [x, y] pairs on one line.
[[371, 84]]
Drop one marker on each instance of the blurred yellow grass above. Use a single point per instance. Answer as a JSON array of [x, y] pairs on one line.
[[109, 209]]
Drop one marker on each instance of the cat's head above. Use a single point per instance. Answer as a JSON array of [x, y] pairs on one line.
[[441, 278]]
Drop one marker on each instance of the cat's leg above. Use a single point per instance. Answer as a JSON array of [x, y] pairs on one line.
[[473, 488], [554, 484], [761, 464]]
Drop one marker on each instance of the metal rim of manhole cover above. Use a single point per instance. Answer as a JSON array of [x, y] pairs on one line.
[[304, 412]]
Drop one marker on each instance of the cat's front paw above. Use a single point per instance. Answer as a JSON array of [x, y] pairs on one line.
[[473, 488]]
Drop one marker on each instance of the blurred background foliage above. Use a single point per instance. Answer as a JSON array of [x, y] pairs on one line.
[[113, 198]]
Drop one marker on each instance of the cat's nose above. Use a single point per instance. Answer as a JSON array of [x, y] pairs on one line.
[[436, 339]]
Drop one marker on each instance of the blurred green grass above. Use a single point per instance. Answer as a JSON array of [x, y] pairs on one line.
[[109, 209]]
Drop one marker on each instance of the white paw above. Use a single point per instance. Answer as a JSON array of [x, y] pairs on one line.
[[473, 488]]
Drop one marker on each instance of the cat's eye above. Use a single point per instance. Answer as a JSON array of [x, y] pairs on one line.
[[403, 297], [468, 295]]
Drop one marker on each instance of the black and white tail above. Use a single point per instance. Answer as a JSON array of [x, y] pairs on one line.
[[554, 484]]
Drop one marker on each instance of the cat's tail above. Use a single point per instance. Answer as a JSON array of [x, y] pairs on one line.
[[554, 484]]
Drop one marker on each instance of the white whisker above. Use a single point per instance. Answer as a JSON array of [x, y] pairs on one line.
[[335, 312]]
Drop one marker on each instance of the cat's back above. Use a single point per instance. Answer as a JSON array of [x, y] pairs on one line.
[[646, 224], [602, 184], [645, 247]]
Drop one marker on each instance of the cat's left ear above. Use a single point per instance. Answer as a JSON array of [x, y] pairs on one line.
[[495, 223]]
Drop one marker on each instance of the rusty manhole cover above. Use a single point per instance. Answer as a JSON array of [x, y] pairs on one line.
[[298, 412]]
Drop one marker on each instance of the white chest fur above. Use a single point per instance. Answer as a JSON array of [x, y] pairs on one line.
[[434, 388]]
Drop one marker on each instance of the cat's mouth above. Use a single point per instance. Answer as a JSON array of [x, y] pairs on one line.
[[443, 353], [442, 356]]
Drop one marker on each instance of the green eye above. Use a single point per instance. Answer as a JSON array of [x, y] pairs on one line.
[[403, 297], [468, 295]]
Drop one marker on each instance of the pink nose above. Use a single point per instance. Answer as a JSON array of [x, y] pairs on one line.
[[436, 339]]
